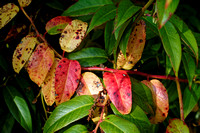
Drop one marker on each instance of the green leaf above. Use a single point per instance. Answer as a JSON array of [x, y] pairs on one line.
[[165, 10], [186, 34], [168, 67], [68, 112], [77, 129], [172, 45], [109, 37], [190, 98], [125, 10], [85, 7], [142, 96], [18, 107], [115, 124], [189, 65], [104, 14], [55, 4], [137, 116], [8, 123], [89, 56]]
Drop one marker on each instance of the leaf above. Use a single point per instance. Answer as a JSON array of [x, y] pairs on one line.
[[72, 35], [18, 107], [185, 34], [7, 123], [68, 74], [40, 63], [78, 128], [137, 116], [177, 126], [190, 67], [90, 84], [57, 24], [48, 86], [68, 112], [115, 124], [143, 97], [165, 11], [134, 48], [89, 56], [24, 3], [118, 86], [22, 52], [190, 98], [125, 10], [85, 7], [56, 5], [7, 13], [109, 38], [172, 45], [104, 14]]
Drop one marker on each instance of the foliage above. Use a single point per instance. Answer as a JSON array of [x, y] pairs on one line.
[[100, 66]]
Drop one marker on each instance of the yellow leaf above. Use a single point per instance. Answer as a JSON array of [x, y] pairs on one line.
[[134, 48], [72, 35], [7, 13], [48, 86], [24, 3], [23, 52]]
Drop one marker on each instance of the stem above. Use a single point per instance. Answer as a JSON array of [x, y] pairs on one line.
[[101, 119], [180, 99], [38, 34], [43, 105], [135, 73]]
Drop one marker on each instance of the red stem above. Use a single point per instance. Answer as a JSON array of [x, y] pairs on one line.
[[135, 72]]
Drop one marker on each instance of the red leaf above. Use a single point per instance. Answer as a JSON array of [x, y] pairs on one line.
[[68, 73], [118, 86]]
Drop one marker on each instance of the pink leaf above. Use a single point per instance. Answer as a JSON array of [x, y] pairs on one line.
[[118, 86], [68, 73]]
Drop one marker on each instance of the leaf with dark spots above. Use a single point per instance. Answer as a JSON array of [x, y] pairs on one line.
[[48, 87], [72, 35], [7, 13], [23, 52], [118, 86], [57, 24], [134, 47], [66, 79], [177, 126], [24, 3], [40, 63]]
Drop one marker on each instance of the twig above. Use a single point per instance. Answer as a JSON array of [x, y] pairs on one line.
[[101, 119], [135, 73], [38, 34]]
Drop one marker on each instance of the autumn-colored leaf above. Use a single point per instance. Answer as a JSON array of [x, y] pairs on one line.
[[177, 126], [72, 35], [134, 48], [118, 86], [7, 13], [24, 3], [57, 24], [90, 84], [162, 102], [48, 86], [23, 52], [40, 63], [68, 73]]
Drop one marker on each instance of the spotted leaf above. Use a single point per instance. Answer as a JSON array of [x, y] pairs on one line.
[[134, 47], [40, 63], [48, 86], [68, 73], [57, 24], [72, 35], [7, 13], [24, 3], [177, 126], [118, 86], [23, 52]]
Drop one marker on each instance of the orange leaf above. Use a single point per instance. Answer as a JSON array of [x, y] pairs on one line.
[[40, 63], [118, 86], [23, 52], [48, 86], [72, 35], [134, 48], [68, 73]]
